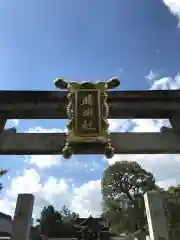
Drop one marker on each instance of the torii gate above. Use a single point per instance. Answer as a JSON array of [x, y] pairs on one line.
[[159, 104], [67, 104]]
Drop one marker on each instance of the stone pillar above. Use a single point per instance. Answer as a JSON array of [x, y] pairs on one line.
[[155, 216], [22, 217]]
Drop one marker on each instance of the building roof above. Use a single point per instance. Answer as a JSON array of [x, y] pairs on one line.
[[80, 221], [5, 216], [93, 223]]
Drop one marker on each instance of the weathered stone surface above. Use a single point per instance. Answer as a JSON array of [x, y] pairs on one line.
[[155, 216], [123, 104], [124, 143], [22, 217]]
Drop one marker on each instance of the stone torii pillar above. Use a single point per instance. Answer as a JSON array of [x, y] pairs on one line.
[[23, 217], [157, 223]]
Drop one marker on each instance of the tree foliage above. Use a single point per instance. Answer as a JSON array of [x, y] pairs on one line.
[[49, 221], [53, 223], [123, 186]]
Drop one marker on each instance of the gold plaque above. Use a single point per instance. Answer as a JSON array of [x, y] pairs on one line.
[[87, 112]]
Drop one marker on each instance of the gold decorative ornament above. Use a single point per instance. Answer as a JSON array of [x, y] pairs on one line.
[[87, 113]]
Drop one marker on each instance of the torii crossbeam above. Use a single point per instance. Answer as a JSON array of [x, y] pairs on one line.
[[123, 104], [123, 143]]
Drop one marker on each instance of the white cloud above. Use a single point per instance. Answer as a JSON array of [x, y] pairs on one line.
[[166, 83], [174, 7], [87, 199], [149, 125], [151, 76], [12, 123], [44, 161], [167, 183], [53, 191], [44, 130], [122, 125]]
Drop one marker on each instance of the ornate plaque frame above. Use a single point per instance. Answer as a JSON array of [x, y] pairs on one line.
[[87, 104]]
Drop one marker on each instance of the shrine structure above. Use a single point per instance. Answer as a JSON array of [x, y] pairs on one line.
[[91, 228], [66, 104]]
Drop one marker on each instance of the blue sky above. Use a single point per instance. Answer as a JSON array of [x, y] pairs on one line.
[[40, 41]]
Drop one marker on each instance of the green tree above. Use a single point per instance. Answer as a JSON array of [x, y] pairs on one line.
[[53, 223], [68, 219], [66, 214], [123, 186], [50, 222]]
